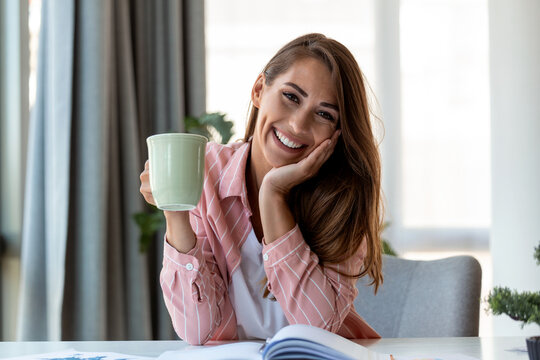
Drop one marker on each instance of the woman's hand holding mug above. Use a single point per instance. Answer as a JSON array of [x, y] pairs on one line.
[[145, 189], [172, 180]]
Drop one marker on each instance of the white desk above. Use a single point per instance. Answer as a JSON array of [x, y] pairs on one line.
[[481, 348]]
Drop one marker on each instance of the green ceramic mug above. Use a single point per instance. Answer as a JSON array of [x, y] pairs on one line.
[[176, 169]]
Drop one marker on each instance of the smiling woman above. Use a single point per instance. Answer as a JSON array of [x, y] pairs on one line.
[[291, 119], [330, 76], [294, 210]]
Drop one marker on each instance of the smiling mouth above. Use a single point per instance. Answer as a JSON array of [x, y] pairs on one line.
[[286, 141]]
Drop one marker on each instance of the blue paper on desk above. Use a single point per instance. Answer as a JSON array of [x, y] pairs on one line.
[[72, 354]]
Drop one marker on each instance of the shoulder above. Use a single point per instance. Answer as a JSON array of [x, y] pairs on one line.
[[219, 155], [223, 174]]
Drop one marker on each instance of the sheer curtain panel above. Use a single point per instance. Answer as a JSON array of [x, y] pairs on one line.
[[110, 73]]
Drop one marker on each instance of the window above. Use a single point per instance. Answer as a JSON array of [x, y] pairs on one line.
[[444, 161], [445, 114], [445, 134], [433, 87], [444, 119], [242, 36]]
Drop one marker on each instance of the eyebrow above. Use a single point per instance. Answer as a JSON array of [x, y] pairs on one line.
[[331, 106], [304, 94], [298, 88]]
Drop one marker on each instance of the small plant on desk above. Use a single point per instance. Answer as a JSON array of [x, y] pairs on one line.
[[519, 306]]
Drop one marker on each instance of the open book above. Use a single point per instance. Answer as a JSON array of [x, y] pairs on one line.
[[292, 342]]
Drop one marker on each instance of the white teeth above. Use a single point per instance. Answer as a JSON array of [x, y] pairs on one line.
[[285, 141]]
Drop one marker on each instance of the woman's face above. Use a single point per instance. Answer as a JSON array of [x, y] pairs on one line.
[[296, 113]]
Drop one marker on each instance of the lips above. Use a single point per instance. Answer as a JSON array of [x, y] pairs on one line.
[[286, 141]]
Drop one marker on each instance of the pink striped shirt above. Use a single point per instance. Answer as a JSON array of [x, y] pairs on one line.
[[195, 284]]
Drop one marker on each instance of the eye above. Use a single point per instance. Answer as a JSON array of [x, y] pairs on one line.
[[291, 97], [326, 115]]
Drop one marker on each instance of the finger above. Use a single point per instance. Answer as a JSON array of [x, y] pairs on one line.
[[145, 189], [145, 182], [145, 186], [145, 175], [333, 140], [147, 165], [149, 199], [331, 147], [318, 152], [335, 136], [311, 164], [327, 154], [147, 194], [323, 151]]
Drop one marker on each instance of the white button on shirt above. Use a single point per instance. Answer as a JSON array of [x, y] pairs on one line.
[[256, 317], [189, 266]]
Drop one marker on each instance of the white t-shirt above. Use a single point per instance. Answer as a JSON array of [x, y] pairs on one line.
[[256, 317]]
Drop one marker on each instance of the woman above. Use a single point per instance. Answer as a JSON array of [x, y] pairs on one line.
[[290, 217]]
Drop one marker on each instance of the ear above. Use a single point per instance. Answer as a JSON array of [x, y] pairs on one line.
[[257, 90]]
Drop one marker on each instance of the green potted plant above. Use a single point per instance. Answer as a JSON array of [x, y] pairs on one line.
[[216, 128], [519, 306]]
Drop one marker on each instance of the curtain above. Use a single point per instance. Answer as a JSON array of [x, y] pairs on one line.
[[13, 121], [110, 73]]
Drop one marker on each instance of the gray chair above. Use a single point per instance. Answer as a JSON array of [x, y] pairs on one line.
[[435, 298]]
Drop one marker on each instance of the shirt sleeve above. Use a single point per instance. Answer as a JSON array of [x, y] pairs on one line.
[[194, 291], [308, 292]]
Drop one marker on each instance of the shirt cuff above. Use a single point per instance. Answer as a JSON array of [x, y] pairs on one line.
[[281, 249], [189, 262]]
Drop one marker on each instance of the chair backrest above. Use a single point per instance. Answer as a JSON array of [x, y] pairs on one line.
[[435, 298]]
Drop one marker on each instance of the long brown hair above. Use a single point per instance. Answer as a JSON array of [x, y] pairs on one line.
[[341, 206]]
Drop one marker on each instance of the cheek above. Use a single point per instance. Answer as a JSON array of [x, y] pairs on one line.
[[278, 106], [267, 112], [324, 132]]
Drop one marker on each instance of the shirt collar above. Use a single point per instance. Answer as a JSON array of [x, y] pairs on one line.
[[233, 178]]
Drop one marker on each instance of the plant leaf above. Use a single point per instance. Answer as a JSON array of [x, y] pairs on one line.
[[194, 126], [388, 249], [149, 223], [220, 124], [520, 306]]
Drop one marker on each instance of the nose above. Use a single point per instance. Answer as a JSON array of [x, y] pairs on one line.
[[300, 122]]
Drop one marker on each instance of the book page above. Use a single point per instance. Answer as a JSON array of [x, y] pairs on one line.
[[339, 344], [236, 351]]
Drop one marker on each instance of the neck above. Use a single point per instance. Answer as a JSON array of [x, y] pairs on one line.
[[254, 177], [255, 172]]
